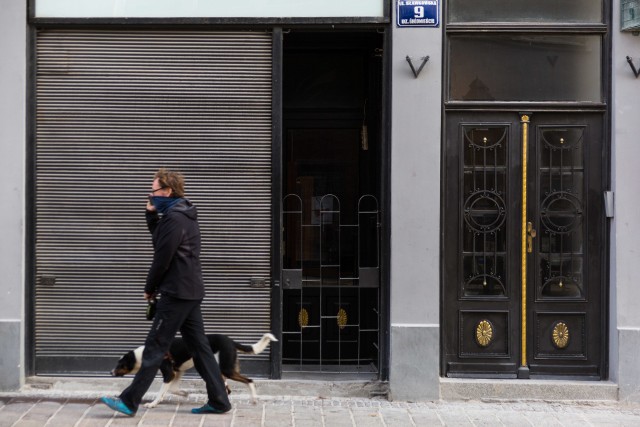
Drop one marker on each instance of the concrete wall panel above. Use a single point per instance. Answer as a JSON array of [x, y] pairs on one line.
[[415, 224], [625, 231], [13, 75]]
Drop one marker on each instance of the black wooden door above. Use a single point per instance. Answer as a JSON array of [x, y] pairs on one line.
[[523, 229]]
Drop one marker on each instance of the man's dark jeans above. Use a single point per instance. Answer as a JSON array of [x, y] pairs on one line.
[[175, 315]]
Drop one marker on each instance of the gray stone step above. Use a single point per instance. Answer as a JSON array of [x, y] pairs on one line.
[[450, 389], [552, 390], [99, 386]]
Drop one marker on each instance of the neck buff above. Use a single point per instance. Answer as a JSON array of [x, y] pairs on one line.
[[163, 204]]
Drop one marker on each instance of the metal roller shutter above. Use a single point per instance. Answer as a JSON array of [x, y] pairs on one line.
[[112, 107]]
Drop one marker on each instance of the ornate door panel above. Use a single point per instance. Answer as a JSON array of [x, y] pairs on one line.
[[523, 229]]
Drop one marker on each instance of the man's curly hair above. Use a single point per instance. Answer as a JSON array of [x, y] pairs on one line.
[[171, 179]]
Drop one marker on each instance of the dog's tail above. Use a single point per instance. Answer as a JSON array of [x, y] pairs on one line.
[[258, 347]]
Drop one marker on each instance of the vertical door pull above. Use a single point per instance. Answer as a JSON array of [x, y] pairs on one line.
[[523, 370]]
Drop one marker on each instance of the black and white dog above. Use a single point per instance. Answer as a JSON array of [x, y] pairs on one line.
[[179, 360]]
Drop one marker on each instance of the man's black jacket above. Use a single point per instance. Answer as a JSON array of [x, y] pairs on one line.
[[176, 269]]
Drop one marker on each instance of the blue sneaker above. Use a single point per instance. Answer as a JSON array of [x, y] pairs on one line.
[[208, 409], [117, 405]]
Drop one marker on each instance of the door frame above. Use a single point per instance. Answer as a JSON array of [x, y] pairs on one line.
[[276, 202], [384, 199]]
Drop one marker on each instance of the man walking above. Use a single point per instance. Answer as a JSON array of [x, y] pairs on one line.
[[176, 274]]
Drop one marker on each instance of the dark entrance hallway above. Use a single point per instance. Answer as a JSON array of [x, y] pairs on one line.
[[331, 210]]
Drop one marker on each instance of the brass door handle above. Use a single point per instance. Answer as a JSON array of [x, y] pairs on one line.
[[531, 233]]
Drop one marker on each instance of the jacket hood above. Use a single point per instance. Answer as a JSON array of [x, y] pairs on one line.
[[185, 207]]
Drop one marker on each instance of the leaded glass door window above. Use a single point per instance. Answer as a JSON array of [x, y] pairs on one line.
[[484, 210]]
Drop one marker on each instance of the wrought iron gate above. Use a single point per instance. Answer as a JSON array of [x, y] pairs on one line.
[[330, 279]]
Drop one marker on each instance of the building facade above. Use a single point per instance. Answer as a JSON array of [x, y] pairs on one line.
[[407, 192]]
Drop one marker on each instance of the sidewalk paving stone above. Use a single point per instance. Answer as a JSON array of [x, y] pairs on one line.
[[41, 410]]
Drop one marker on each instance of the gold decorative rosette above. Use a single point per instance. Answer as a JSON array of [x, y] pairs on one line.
[[342, 318], [560, 335], [484, 333], [303, 318]]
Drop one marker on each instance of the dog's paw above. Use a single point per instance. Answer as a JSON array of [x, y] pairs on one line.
[[150, 405], [181, 393]]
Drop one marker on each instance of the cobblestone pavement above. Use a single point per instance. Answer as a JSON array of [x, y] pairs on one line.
[[32, 410]]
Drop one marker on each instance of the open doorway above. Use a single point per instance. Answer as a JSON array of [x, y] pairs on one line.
[[332, 133]]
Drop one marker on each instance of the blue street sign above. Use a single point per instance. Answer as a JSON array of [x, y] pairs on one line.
[[418, 13]]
